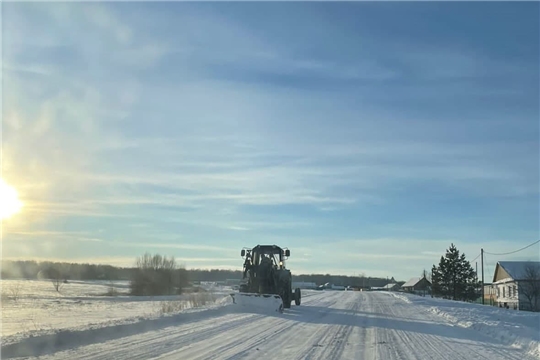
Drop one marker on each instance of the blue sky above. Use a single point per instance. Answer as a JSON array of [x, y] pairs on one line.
[[366, 137]]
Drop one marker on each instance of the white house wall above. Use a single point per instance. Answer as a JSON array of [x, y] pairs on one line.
[[507, 292]]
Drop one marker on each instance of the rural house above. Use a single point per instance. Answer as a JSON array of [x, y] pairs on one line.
[[417, 286], [391, 287], [517, 284]]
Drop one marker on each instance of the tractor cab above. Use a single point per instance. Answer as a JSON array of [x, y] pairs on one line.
[[266, 253]]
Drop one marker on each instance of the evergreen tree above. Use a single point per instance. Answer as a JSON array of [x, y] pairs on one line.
[[454, 278], [436, 283]]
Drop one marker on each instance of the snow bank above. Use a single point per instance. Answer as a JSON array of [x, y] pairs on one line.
[[519, 329], [39, 310], [62, 339], [400, 296]]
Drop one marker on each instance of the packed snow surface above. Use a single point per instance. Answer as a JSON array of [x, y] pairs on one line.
[[328, 325]]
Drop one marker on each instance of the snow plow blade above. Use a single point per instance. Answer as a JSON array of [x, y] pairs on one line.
[[258, 302]]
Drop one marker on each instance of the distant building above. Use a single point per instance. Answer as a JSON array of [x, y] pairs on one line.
[[329, 286], [391, 287], [516, 284], [417, 286], [304, 285]]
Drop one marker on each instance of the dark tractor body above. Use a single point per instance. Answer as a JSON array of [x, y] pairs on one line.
[[265, 273]]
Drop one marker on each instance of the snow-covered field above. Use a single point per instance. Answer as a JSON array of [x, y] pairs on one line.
[[81, 323], [32, 308]]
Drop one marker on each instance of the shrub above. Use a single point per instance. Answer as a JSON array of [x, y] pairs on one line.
[[157, 275], [193, 300]]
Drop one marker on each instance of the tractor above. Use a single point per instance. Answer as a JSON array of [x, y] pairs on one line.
[[265, 276]]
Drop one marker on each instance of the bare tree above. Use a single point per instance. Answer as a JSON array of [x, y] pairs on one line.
[[529, 287], [426, 274], [157, 275], [15, 290], [11, 292], [56, 278]]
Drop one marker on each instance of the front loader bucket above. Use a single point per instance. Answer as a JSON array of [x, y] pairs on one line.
[[258, 302]]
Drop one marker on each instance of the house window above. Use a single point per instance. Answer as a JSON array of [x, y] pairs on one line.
[[498, 292], [504, 291], [509, 291], [515, 291]]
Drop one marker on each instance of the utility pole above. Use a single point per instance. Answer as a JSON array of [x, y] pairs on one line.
[[482, 265], [476, 278], [432, 281]]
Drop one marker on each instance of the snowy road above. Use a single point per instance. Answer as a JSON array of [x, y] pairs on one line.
[[328, 325]]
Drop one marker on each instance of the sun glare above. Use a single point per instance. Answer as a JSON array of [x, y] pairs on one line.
[[9, 201]]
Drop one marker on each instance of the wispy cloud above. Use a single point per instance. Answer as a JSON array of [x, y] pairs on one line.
[[208, 128], [173, 246], [55, 235], [237, 228]]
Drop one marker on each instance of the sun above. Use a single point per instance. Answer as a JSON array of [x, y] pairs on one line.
[[9, 201]]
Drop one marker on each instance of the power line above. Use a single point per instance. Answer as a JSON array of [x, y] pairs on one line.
[[477, 256], [487, 263], [513, 252]]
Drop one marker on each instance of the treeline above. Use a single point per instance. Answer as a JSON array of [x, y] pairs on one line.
[[76, 271], [342, 280], [213, 275], [319, 279], [69, 271]]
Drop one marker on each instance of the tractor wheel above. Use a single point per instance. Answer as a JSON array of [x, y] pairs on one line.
[[297, 296], [287, 301], [286, 296]]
